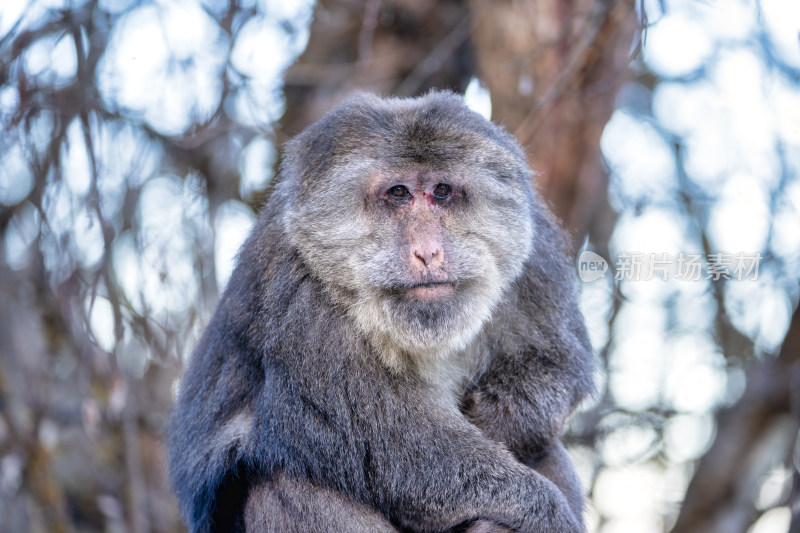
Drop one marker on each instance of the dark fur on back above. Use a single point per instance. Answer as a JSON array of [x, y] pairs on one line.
[[285, 384]]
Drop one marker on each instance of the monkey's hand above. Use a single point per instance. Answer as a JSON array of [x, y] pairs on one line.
[[547, 457], [550, 514], [485, 526], [553, 514]]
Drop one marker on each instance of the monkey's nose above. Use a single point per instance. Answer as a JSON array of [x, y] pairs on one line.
[[430, 258]]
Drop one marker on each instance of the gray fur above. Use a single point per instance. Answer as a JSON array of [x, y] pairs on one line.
[[323, 398]]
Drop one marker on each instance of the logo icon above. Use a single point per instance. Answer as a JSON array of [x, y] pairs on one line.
[[591, 266]]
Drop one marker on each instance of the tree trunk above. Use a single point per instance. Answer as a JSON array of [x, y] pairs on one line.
[[554, 69]]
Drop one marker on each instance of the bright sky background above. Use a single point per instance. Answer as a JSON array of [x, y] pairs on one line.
[[719, 98]]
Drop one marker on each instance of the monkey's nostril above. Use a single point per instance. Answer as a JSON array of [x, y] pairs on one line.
[[428, 258]]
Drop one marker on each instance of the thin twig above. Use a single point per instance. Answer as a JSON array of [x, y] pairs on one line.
[[365, 36], [572, 67], [435, 59]]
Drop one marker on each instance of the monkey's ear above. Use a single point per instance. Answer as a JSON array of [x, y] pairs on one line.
[[301, 156]]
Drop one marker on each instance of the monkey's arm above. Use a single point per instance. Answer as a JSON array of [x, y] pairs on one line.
[[289, 505], [444, 472], [556, 466], [529, 434], [525, 395], [522, 400], [283, 504], [397, 447]]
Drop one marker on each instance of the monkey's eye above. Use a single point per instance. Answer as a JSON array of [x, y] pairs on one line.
[[442, 191], [399, 192]]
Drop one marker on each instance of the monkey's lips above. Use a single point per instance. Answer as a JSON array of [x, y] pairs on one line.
[[430, 291]]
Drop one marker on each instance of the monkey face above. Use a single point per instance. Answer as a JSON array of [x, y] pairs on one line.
[[417, 225]]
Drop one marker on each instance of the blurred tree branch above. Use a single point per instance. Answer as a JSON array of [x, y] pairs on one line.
[[80, 439], [755, 434]]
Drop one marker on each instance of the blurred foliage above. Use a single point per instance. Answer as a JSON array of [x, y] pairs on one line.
[[138, 138], [113, 183]]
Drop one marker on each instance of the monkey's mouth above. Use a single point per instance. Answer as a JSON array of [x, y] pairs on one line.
[[434, 290]]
